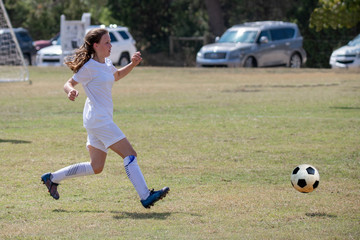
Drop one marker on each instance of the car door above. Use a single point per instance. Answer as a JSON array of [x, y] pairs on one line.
[[264, 52], [282, 40]]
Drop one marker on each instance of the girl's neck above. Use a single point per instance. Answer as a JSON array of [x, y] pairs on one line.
[[99, 59]]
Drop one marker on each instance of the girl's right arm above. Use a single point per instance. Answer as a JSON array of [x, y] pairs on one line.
[[70, 90]]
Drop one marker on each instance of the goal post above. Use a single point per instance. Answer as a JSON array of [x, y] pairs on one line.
[[12, 63]]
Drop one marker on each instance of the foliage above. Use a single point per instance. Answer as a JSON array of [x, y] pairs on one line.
[[336, 14], [153, 22], [240, 11], [149, 21], [318, 45], [42, 17]]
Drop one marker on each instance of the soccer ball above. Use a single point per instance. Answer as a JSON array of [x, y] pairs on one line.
[[305, 178]]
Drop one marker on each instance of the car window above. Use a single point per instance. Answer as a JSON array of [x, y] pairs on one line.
[[282, 33], [355, 42], [124, 35], [240, 36], [24, 37], [265, 34], [112, 37]]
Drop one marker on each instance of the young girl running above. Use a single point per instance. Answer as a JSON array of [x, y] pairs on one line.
[[97, 75]]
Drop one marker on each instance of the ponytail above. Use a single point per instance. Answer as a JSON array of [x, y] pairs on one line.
[[86, 51]]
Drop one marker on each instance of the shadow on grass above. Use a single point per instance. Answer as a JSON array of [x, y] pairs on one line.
[[13, 141], [320, 214], [121, 215], [136, 215], [346, 108], [59, 210]]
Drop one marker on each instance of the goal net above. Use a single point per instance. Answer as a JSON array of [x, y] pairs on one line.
[[12, 64]]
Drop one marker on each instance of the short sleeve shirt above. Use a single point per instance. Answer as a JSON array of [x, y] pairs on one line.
[[97, 80]]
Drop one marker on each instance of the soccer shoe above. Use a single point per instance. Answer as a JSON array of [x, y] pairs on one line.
[[51, 186], [154, 197]]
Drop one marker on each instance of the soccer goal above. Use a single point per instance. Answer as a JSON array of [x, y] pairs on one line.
[[12, 64]]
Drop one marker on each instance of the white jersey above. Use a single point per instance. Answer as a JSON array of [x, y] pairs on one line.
[[97, 80]]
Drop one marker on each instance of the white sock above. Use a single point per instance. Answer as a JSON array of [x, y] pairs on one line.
[[137, 179], [76, 170]]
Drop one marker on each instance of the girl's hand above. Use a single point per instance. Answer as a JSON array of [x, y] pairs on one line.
[[136, 58], [73, 94]]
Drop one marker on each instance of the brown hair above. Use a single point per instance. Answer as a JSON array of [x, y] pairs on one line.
[[85, 52]]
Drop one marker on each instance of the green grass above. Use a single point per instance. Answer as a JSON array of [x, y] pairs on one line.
[[224, 140]]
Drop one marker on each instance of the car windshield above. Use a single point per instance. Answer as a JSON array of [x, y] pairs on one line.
[[57, 41], [241, 36], [355, 42]]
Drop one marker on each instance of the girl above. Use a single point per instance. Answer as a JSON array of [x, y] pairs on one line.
[[97, 75]]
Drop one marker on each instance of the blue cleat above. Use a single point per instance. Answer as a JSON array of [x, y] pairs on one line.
[[154, 197], [51, 186]]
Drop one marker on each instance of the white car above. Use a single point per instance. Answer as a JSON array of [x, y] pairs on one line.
[[347, 56], [123, 47], [49, 56]]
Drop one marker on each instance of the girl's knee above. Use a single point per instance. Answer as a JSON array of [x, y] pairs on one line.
[[134, 153], [97, 169]]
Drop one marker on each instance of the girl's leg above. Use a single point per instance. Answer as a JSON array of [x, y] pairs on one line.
[[127, 152], [95, 166], [97, 158], [123, 148]]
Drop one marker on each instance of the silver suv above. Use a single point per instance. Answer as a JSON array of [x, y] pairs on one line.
[[256, 44]]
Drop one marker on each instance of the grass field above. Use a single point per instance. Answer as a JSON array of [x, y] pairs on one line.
[[224, 140]]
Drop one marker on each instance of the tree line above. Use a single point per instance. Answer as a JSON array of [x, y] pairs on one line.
[[324, 24]]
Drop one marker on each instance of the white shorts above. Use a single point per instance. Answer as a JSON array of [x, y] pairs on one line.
[[103, 137]]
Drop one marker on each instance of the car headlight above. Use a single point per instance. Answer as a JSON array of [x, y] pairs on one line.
[[200, 53]]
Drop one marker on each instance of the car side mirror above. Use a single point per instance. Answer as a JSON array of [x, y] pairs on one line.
[[217, 39], [264, 39]]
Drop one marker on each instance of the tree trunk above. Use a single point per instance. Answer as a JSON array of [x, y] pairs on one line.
[[216, 19]]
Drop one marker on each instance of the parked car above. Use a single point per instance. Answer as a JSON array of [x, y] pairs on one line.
[[39, 44], [256, 44], [347, 56], [25, 42], [50, 56], [123, 47]]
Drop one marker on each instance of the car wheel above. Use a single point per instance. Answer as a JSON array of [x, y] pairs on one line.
[[124, 59], [295, 61], [250, 62]]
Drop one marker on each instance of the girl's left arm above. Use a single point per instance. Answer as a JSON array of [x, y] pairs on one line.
[[122, 72]]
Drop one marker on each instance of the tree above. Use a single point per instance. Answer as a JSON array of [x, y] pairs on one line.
[[336, 14], [149, 21], [216, 17], [42, 17]]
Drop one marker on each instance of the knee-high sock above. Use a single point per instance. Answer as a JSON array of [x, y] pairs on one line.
[[76, 170], [137, 179]]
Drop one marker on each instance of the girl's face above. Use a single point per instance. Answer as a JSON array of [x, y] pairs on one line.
[[103, 48]]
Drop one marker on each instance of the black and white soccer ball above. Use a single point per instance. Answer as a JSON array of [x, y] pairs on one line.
[[305, 178]]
